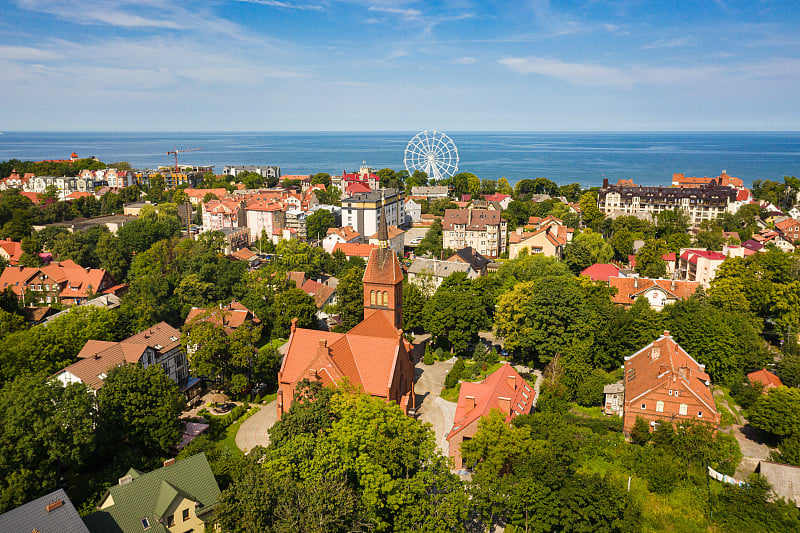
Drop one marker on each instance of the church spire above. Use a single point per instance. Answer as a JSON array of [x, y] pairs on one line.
[[383, 231]]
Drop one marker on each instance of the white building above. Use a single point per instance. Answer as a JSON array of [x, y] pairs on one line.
[[413, 210], [361, 211]]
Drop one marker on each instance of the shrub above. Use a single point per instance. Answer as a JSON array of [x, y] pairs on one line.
[[492, 357], [257, 399], [440, 354], [590, 392], [455, 373], [640, 432], [479, 353], [428, 359], [246, 405]]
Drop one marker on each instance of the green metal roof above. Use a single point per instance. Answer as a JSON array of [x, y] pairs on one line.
[[150, 495]]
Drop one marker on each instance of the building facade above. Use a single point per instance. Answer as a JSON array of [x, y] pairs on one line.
[[484, 230], [362, 211], [270, 171]]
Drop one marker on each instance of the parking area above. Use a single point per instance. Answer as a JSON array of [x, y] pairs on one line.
[[414, 235]]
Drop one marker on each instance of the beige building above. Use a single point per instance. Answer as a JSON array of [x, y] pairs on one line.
[[484, 230], [699, 265], [396, 239], [549, 241]]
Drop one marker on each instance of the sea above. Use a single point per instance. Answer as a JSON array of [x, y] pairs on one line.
[[649, 158]]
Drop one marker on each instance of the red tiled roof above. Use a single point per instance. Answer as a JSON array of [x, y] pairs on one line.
[[34, 197], [628, 289], [297, 277], [13, 249], [383, 267], [497, 197], [503, 389], [787, 224], [353, 249], [230, 316], [600, 272], [357, 187], [394, 231], [321, 293], [693, 255], [245, 254], [647, 370], [767, 378], [743, 196], [78, 194], [347, 233]]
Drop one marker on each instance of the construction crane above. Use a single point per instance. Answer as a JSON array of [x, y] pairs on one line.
[[175, 152]]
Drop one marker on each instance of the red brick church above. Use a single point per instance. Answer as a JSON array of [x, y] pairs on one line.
[[373, 356]]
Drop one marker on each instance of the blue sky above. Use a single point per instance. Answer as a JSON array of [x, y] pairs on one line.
[[278, 65]]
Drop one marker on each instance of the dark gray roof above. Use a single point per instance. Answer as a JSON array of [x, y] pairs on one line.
[[35, 516], [372, 196]]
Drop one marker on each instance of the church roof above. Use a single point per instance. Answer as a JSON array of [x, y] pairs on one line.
[[383, 267]]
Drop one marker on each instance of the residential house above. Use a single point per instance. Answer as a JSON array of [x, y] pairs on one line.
[[664, 383], [15, 181], [339, 236], [179, 497], [723, 180], [354, 249], [112, 222], [11, 251], [157, 345], [247, 255], [471, 257], [784, 479], [549, 241], [197, 196], [263, 216], [265, 171], [51, 512], [484, 230], [428, 274], [362, 211], [500, 198], [658, 292], [226, 213], [794, 213], [373, 356], [110, 300], [323, 294], [284, 234], [504, 390], [431, 193], [63, 282], [364, 178], [766, 378], [699, 203], [230, 316], [790, 228], [111, 176], [413, 210], [64, 185], [699, 265], [601, 272], [235, 239], [614, 398], [396, 239]]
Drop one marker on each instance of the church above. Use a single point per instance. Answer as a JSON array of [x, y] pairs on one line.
[[373, 356]]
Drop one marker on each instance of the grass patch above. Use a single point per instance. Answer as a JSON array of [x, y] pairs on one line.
[[590, 412], [451, 395], [269, 397], [726, 405]]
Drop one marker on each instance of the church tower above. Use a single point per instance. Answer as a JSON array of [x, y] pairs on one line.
[[383, 279]]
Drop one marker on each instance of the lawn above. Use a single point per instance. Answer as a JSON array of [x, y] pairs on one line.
[[451, 395], [726, 403]]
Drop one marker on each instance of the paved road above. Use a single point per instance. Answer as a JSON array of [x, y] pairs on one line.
[[253, 431], [433, 409]]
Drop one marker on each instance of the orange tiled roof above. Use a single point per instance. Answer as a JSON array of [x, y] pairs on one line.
[[473, 219], [647, 370], [504, 389], [347, 232], [230, 316], [628, 289], [321, 293], [383, 267], [394, 231], [353, 249], [766, 377], [600, 271], [13, 249]]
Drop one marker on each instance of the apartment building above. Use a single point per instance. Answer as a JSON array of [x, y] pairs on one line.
[[482, 229], [361, 211]]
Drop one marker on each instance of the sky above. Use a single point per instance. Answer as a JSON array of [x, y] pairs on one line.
[[397, 65]]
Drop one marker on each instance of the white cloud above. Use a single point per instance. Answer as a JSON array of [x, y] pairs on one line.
[[406, 13], [576, 73], [284, 5], [466, 60], [679, 42]]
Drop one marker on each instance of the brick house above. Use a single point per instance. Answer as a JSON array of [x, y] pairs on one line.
[[373, 356], [790, 229], [658, 292], [664, 383], [64, 282], [503, 389]]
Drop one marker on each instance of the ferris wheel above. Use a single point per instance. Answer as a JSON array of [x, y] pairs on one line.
[[432, 152]]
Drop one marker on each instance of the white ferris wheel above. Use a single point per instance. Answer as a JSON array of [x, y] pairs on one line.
[[432, 152]]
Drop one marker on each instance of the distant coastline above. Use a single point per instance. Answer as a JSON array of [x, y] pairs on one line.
[[649, 158]]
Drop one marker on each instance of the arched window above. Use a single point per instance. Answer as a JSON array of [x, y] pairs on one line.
[[371, 297], [385, 299]]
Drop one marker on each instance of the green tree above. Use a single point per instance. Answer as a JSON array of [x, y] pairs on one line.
[[321, 178], [590, 213], [111, 257], [777, 412], [414, 300], [293, 303], [45, 426], [317, 223], [504, 187], [350, 291], [456, 313], [138, 414], [649, 262]]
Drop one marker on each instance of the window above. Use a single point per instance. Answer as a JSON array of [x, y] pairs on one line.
[[676, 393], [644, 406], [171, 520], [372, 297], [700, 413], [670, 392], [385, 299], [683, 409], [660, 406], [185, 515], [145, 523]]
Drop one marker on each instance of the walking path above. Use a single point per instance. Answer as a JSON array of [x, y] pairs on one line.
[[432, 408], [253, 431]]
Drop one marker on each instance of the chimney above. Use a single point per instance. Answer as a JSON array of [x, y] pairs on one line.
[[469, 403], [55, 505], [294, 325], [505, 405], [125, 480], [672, 285], [169, 462], [666, 333], [312, 374], [635, 283], [322, 349], [519, 230], [512, 382]]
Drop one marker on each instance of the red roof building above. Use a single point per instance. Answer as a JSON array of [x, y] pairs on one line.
[[63, 282], [373, 356], [790, 229], [699, 265], [353, 249], [766, 378], [11, 251], [664, 383], [503, 389], [657, 292], [229, 316], [600, 272]]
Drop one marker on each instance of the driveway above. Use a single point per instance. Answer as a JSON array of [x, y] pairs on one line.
[[431, 408], [752, 447], [253, 431]]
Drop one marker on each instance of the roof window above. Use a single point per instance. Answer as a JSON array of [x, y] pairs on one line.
[[157, 346], [145, 523], [173, 338]]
